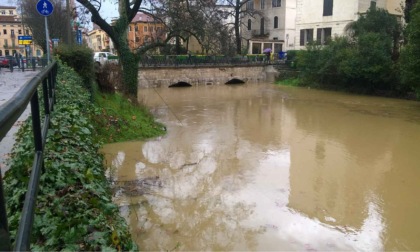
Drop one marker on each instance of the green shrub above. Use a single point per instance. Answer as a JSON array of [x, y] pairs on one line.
[[291, 60], [80, 58]]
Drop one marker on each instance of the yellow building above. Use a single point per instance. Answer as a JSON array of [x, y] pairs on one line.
[[144, 29], [98, 40], [10, 28]]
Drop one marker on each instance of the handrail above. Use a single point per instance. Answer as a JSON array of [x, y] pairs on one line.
[[9, 114]]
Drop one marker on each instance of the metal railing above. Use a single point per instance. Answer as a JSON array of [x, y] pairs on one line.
[[174, 61], [9, 114]]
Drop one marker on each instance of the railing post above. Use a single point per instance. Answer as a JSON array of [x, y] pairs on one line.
[[4, 230], [26, 221]]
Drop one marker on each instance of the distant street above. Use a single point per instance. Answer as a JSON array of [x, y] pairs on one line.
[[10, 83]]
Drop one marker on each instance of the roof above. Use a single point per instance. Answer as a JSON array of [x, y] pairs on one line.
[[8, 7], [142, 17]]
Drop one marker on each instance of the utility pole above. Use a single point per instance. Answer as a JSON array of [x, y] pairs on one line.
[[69, 28]]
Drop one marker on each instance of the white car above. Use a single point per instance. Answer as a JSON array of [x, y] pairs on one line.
[[101, 57]]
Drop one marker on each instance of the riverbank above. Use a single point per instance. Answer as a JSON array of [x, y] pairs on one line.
[[74, 204], [297, 82]]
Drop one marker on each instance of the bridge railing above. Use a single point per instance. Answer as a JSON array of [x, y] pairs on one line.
[[9, 114], [175, 61]]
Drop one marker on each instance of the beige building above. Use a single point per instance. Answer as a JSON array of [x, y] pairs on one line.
[[11, 28], [323, 19], [99, 41]]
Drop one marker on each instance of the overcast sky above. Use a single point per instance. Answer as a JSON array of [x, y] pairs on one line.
[[108, 10]]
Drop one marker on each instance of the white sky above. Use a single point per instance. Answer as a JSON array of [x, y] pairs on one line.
[[108, 10]]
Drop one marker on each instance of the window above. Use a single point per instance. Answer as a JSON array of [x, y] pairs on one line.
[[11, 12], [373, 4], [145, 29], [137, 39], [262, 26], [276, 3], [262, 4], [129, 28], [1, 53], [12, 32], [19, 32], [6, 52], [250, 5], [3, 12], [249, 24], [323, 35], [276, 22], [4, 31], [328, 7], [306, 35], [136, 28]]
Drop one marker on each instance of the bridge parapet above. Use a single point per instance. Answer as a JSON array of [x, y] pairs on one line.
[[201, 75]]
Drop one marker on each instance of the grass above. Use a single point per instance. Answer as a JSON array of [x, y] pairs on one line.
[[294, 82], [119, 119]]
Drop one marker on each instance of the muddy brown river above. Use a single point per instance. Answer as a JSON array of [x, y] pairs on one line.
[[261, 167]]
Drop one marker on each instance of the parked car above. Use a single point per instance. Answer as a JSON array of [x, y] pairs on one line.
[[101, 57], [5, 61], [13, 59]]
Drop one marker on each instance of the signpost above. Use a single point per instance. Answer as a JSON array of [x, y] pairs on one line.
[[79, 37], [45, 8]]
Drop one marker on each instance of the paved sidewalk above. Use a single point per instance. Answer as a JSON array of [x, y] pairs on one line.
[[10, 83]]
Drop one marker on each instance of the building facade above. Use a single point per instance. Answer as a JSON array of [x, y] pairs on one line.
[[98, 40], [271, 26], [144, 29], [283, 25], [11, 27], [320, 20]]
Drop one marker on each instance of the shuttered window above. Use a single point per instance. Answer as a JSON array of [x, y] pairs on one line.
[[328, 7]]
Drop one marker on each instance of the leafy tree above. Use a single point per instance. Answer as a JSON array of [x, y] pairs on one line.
[[409, 4], [410, 55], [362, 61]]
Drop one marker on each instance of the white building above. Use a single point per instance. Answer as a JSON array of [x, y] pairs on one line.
[[274, 27], [323, 19], [289, 24]]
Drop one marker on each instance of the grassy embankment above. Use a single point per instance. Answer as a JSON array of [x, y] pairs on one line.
[[74, 208]]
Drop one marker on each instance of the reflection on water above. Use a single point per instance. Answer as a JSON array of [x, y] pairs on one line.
[[258, 167]]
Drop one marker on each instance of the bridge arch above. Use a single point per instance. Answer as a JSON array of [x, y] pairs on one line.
[[235, 81], [180, 84]]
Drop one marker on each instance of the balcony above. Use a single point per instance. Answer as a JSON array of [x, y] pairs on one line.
[[260, 34]]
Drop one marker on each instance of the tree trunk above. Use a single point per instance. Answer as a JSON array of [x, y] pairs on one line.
[[237, 28]]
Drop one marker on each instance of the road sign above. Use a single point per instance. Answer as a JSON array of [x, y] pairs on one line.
[[44, 7], [24, 40], [55, 40], [79, 37]]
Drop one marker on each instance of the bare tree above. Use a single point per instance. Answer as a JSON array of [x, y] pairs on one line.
[[33, 21], [240, 8]]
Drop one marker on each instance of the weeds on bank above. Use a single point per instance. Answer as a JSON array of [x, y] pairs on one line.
[[119, 119], [289, 82]]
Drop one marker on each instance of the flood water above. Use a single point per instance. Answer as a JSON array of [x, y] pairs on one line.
[[260, 167]]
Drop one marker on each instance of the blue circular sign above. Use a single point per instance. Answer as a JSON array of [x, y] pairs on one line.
[[44, 7]]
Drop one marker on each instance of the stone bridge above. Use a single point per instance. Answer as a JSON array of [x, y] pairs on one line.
[[204, 75]]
